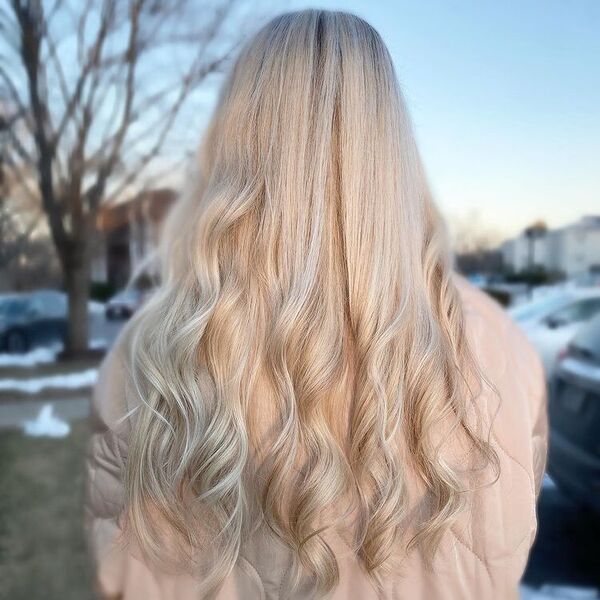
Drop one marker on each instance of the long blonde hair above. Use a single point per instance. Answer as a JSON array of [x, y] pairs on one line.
[[307, 340]]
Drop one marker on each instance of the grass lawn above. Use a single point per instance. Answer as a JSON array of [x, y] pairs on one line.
[[42, 548]]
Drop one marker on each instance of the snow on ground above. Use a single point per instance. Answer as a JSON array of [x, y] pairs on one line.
[[81, 379], [41, 356], [46, 424], [96, 307], [557, 592], [97, 344]]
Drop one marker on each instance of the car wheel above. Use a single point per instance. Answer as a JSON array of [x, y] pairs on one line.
[[16, 342]]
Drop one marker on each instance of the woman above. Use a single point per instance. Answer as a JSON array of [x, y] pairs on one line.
[[314, 403]]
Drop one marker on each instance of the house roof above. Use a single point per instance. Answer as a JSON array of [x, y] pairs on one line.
[[148, 204]]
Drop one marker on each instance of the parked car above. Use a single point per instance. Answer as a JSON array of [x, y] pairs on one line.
[[552, 321], [591, 279], [478, 279], [123, 304], [574, 411], [32, 319]]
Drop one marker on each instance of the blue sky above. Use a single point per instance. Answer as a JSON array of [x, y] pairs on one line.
[[505, 98]]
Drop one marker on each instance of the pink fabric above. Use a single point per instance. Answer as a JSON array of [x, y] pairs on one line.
[[482, 557]]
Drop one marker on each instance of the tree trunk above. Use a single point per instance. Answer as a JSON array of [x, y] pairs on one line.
[[77, 278]]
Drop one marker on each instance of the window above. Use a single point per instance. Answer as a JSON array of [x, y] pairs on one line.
[[590, 308], [50, 303], [581, 310], [13, 308], [538, 308]]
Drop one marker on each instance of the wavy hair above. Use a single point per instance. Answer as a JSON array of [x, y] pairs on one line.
[[307, 343]]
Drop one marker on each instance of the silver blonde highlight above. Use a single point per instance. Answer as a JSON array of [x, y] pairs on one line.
[[307, 344]]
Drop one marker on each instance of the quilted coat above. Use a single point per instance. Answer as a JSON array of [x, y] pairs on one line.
[[482, 556]]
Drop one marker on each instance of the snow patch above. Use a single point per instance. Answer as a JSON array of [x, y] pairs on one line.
[[558, 592], [82, 379], [43, 355], [39, 356], [98, 344], [96, 307], [46, 424]]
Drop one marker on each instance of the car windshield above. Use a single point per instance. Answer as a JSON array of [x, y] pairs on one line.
[[50, 303], [587, 339], [540, 307]]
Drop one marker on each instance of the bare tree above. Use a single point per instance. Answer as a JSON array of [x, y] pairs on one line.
[[475, 245], [471, 235], [20, 213], [96, 91]]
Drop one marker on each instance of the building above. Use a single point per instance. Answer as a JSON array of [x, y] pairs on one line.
[[129, 232], [575, 249], [571, 250], [526, 251]]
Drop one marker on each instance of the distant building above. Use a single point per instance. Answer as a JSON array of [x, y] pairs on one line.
[[527, 250], [129, 231], [572, 250], [575, 249]]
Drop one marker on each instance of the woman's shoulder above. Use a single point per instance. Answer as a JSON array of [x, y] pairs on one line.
[[477, 301], [503, 351], [517, 410], [113, 399], [492, 327]]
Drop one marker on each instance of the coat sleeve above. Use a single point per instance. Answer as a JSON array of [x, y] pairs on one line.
[[532, 373], [105, 462], [539, 420]]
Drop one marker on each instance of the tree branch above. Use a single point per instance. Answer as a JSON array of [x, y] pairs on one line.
[[30, 21]]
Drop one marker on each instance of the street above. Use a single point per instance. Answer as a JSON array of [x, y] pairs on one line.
[[567, 547]]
